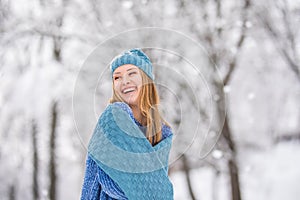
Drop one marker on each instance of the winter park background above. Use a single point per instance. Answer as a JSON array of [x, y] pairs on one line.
[[234, 105]]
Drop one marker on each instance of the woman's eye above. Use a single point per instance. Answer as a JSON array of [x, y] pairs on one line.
[[132, 73], [116, 78]]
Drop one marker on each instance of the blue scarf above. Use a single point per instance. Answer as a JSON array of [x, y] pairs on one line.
[[123, 152]]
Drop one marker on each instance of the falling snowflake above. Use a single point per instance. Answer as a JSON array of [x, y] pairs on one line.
[[251, 96], [127, 4], [217, 154]]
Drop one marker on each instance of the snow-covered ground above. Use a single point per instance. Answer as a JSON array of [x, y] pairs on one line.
[[270, 174]]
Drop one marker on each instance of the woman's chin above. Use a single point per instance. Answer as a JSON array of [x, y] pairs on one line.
[[131, 101]]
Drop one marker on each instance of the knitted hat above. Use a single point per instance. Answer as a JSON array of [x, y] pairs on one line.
[[135, 57]]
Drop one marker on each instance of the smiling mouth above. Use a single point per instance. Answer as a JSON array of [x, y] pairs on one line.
[[128, 90]]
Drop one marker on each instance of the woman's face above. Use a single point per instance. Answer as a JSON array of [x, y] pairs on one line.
[[127, 83]]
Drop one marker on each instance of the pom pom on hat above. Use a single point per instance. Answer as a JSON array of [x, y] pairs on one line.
[[135, 57]]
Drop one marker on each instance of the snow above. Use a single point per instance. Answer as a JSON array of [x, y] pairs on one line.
[[217, 154], [180, 188], [251, 96], [127, 4], [205, 185], [227, 89], [272, 174], [263, 93]]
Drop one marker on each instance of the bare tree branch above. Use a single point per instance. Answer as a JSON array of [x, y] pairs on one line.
[[239, 44], [284, 41]]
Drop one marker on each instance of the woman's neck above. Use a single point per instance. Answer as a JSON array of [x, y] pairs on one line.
[[137, 114]]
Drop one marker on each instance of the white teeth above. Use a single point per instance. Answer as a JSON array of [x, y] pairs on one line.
[[128, 90]]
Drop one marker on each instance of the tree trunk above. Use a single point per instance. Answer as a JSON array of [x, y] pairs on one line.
[[52, 163], [215, 184], [35, 185], [186, 169], [12, 193], [234, 178], [232, 164]]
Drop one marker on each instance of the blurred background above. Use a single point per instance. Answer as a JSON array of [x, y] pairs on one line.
[[254, 148]]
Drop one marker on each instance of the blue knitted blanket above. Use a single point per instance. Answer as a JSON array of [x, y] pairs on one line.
[[123, 152]]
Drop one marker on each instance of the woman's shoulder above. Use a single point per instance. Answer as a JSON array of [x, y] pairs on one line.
[[115, 111], [117, 107], [166, 131], [122, 105]]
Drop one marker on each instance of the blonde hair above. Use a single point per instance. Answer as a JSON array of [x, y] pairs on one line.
[[148, 102]]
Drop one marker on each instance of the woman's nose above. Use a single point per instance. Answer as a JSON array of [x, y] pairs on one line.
[[125, 80]]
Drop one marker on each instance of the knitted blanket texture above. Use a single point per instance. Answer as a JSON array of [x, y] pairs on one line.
[[122, 151]]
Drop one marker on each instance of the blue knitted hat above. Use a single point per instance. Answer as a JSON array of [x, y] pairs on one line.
[[135, 57]]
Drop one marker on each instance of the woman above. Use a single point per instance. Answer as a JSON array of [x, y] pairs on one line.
[[128, 152]]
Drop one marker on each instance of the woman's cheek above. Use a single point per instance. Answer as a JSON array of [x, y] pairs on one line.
[[117, 88]]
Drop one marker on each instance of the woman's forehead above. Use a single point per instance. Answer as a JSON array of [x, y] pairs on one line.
[[125, 68]]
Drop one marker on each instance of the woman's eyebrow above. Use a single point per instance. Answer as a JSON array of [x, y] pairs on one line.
[[130, 69], [127, 70]]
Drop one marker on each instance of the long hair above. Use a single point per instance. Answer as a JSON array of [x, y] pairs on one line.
[[148, 102]]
